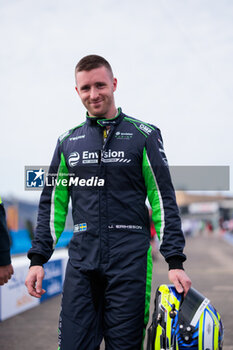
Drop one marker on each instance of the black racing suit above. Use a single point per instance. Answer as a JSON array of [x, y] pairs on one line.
[[107, 285]]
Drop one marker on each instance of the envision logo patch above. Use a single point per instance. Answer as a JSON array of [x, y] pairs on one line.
[[88, 157], [73, 159]]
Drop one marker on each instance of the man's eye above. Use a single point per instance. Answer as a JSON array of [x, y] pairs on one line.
[[85, 88], [100, 85]]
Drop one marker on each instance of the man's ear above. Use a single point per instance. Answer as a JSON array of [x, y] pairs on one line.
[[114, 84], [77, 90]]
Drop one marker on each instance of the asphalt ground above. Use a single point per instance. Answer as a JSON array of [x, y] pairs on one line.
[[209, 265]]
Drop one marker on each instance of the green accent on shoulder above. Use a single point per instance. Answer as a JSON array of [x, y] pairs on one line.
[[153, 194], [61, 198], [132, 121], [64, 136], [140, 121], [0, 200], [148, 291], [93, 117]]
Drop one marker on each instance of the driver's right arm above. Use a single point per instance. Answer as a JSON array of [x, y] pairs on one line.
[[51, 220]]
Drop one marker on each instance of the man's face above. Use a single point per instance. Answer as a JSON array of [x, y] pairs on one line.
[[96, 88]]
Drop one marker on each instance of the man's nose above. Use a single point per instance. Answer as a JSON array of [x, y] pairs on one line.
[[94, 93]]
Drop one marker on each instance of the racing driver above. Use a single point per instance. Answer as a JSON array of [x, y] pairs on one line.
[[107, 166]]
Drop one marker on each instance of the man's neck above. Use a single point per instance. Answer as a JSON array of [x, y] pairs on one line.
[[113, 114]]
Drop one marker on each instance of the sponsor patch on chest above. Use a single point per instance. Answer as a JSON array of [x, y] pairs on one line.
[[123, 135], [87, 157]]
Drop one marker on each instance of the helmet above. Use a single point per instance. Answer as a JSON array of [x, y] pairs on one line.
[[180, 323]]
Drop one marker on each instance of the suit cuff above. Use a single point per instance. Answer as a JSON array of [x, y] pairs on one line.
[[37, 260], [175, 262]]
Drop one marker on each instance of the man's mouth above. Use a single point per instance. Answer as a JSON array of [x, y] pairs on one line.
[[96, 102]]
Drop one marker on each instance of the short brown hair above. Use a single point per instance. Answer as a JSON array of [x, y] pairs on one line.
[[91, 62]]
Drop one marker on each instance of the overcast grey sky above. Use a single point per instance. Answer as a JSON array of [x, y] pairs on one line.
[[173, 60]]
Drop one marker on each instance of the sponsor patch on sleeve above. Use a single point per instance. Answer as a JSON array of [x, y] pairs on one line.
[[145, 129]]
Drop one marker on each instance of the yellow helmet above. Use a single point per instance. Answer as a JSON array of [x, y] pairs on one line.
[[184, 323]]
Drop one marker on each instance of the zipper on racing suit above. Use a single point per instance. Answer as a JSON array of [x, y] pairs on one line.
[[108, 128], [105, 139]]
